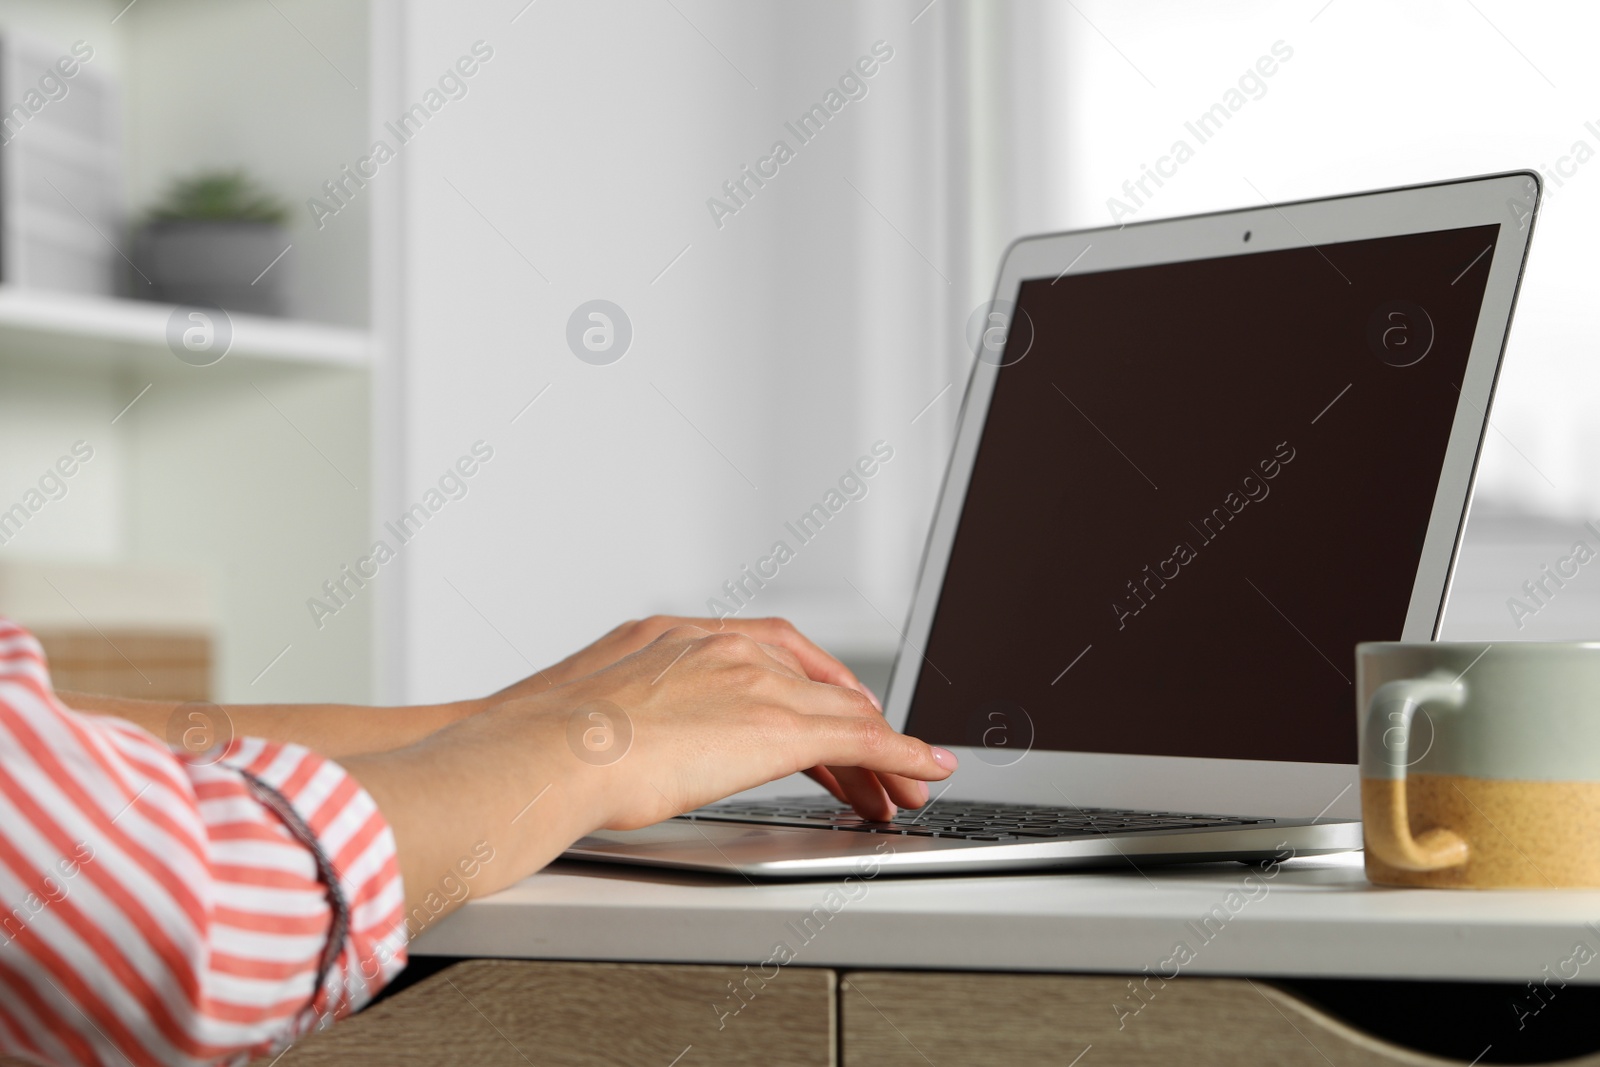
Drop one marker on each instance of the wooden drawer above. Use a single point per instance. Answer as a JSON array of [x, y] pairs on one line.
[[894, 1018], [512, 1013]]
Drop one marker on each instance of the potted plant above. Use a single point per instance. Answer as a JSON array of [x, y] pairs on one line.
[[211, 241]]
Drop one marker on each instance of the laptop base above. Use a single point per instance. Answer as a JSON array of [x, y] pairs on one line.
[[789, 852]]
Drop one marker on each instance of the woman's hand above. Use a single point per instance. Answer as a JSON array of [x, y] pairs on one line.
[[634, 634], [711, 714], [692, 717], [873, 796]]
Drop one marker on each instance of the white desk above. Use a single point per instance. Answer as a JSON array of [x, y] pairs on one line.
[[1316, 918]]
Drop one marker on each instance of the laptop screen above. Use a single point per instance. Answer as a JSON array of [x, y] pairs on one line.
[[1199, 484]]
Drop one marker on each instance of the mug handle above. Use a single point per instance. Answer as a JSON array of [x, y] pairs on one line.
[[1385, 744]]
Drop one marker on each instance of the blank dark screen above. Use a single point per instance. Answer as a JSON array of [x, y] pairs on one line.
[[1202, 484]]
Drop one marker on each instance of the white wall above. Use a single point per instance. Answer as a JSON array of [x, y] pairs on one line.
[[819, 319], [1378, 94]]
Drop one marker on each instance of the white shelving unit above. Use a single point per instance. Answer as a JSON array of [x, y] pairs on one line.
[[252, 475], [44, 323]]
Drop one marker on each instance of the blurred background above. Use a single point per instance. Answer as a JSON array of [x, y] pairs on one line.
[[395, 219]]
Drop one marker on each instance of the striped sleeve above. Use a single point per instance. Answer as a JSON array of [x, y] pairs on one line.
[[162, 909]]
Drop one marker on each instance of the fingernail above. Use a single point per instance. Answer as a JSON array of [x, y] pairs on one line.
[[944, 758]]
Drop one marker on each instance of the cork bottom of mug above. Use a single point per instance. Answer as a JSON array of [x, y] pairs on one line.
[[1519, 834]]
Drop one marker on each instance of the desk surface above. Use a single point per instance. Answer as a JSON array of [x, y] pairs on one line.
[[1316, 917]]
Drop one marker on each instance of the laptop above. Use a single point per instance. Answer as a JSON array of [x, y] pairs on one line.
[[1198, 460]]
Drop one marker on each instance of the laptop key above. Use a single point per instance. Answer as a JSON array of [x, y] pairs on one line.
[[978, 822]]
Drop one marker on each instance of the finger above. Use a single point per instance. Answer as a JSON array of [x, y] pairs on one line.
[[902, 792], [905, 792], [825, 778], [788, 661], [864, 793], [676, 637], [874, 797], [731, 647], [817, 664], [868, 744], [874, 791]]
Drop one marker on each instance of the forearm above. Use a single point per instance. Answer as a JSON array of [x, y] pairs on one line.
[[335, 730], [504, 779]]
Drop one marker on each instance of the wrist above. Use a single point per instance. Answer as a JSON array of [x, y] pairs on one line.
[[454, 711], [574, 793], [511, 781]]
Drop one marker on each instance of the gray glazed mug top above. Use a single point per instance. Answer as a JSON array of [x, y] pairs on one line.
[[1524, 711]]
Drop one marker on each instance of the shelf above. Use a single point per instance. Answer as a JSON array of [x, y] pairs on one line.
[[39, 323]]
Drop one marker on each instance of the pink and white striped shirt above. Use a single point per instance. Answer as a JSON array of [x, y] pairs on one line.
[[157, 908]]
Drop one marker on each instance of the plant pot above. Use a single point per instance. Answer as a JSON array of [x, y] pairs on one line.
[[214, 262]]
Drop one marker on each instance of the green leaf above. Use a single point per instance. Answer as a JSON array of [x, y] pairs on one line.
[[219, 196]]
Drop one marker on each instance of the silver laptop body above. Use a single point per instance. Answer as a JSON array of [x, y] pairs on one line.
[[1197, 461]]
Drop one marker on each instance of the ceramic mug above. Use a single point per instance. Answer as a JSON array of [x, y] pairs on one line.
[[1480, 764]]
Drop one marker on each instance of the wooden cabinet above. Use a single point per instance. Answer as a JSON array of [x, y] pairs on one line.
[[509, 1013]]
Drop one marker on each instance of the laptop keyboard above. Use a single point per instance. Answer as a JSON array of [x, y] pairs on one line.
[[968, 821]]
